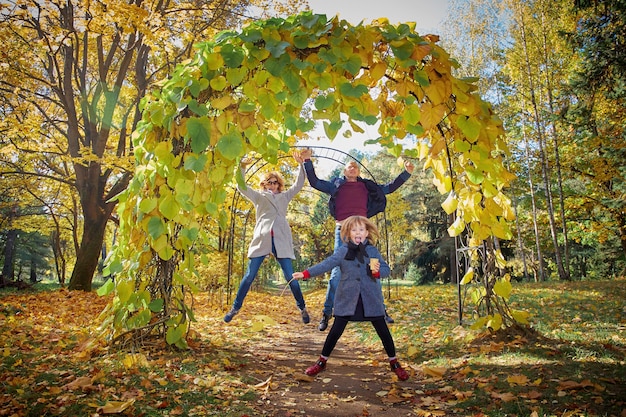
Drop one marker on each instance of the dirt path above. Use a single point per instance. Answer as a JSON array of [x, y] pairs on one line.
[[356, 382]]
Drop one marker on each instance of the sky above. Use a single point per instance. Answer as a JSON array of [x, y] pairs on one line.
[[427, 15]]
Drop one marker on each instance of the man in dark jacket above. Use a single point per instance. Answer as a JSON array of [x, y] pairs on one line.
[[350, 195]]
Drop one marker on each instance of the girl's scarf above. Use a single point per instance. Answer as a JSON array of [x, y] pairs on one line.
[[356, 251]]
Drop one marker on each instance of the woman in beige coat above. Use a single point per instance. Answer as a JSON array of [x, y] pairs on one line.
[[272, 235]]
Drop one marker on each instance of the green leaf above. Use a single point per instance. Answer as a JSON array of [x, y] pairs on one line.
[[276, 47], [199, 132], [147, 205], [106, 288], [470, 127], [174, 334], [124, 290], [195, 163], [475, 176], [236, 75], [233, 56], [403, 50], [332, 128], [356, 91], [421, 76], [323, 102], [169, 207], [156, 227], [230, 145], [412, 114], [353, 64], [156, 305]]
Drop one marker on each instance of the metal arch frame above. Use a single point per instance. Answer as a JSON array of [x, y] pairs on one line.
[[324, 153]]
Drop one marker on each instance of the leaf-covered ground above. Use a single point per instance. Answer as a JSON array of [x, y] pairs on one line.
[[573, 363]]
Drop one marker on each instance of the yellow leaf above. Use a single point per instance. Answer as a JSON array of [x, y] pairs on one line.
[[517, 380], [257, 326], [450, 204], [520, 316], [457, 227], [436, 372], [503, 289], [495, 323], [114, 407], [469, 275]]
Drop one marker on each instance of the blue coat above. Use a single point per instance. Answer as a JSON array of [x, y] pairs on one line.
[[376, 200], [355, 280]]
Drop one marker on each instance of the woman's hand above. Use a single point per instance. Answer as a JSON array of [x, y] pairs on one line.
[[297, 275], [306, 153]]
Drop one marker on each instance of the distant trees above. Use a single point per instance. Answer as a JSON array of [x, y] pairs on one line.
[[556, 74], [71, 80]]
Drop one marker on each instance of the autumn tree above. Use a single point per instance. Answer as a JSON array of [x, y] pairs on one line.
[[72, 76], [597, 118]]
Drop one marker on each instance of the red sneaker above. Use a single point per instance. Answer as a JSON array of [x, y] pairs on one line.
[[401, 373], [319, 366]]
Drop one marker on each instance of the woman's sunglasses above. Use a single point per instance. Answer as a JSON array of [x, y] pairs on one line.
[[272, 182]]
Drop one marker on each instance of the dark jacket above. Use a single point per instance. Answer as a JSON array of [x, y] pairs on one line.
[[376, 201]]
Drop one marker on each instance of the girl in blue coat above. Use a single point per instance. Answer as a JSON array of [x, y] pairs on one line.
[[358, 296]]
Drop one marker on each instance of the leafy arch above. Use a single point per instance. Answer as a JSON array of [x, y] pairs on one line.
[[259, 90]]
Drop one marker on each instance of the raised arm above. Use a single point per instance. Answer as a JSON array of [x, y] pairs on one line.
[[392, 186], [320, 185]]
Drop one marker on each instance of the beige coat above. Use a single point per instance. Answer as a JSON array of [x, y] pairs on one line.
[[271, 214]]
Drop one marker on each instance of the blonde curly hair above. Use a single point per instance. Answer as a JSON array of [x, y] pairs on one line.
[[273, 175]]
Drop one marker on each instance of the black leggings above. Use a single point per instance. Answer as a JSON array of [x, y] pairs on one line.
[[339, 325]]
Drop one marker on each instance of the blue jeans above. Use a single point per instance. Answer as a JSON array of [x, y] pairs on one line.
[[253, 269], [335, 276]]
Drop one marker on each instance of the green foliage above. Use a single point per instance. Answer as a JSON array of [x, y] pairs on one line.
[[244, 93]]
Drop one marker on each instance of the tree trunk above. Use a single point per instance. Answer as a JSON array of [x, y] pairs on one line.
[[88, 253], [544, 164], [557, 160], [542, 274], [8, 272], [33, 270]]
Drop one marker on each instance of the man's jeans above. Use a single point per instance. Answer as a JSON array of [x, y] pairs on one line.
[[335, 276], [253, 269]]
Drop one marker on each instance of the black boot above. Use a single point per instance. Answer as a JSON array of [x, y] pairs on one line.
[[324, 322]]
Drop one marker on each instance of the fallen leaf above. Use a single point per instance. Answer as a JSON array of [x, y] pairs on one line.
[[517, 380], [436, 372], [505, 396], [114, 407]]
